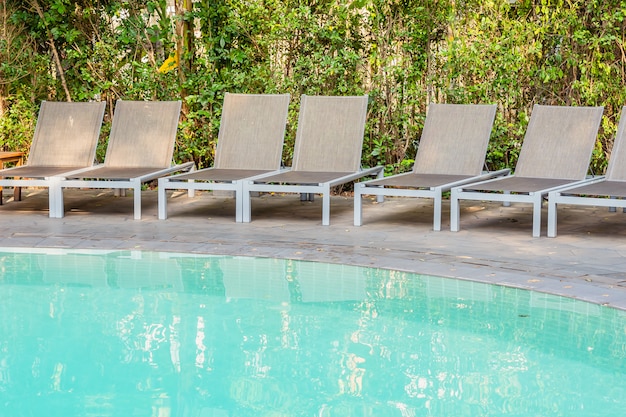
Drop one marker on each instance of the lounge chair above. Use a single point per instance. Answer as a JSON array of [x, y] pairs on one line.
[[451, 152], [65, 140], [327, 152], [249, 143], [556, 152], [140, 149], [604, 191]]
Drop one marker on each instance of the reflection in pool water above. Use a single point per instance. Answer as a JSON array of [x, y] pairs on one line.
[[162, 334]]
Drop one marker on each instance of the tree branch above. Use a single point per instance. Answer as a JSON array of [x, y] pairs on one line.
[[53, 48]]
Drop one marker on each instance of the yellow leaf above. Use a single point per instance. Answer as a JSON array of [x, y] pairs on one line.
[[169, 64]]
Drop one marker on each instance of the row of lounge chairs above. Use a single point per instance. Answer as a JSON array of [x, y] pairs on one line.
[[552, 164], [327, 152]]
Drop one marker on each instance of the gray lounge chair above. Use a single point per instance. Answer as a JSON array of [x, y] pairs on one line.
[[604, 191], [327, 152], [140, 149], [65, 140], [451, 152], [556, 152], [250, 143]]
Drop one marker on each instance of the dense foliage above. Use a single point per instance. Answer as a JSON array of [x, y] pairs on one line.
[[403, 53]]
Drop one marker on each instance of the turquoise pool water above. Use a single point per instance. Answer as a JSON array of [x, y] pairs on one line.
[[162, 334]]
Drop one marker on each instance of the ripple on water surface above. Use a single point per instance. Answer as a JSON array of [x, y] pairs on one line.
[[162, 334]]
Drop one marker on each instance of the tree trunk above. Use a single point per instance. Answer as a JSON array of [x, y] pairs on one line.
[[184, 44], [3, 102]]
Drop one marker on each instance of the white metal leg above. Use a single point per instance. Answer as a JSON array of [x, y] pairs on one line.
[[506, 203], [552, 214], [437, 212], [162, 199], [326, 206], [455, 210], [246, 204], [358, 204], [137, 198], [239, 202], [537, 215], [380, 197], [57, 208]]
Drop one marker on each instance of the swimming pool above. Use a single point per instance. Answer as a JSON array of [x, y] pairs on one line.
[[123, 333]]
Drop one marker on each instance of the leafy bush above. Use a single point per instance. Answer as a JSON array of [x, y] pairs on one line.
[[17, 125], [403, 54]]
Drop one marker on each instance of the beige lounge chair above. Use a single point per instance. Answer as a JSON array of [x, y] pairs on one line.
[[451, 152], [140, 149], [65, 140], [327, 152], [604, 191], [556, 152], [249, 143]]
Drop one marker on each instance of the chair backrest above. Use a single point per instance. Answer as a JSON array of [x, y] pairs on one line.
[[66, 134], [330, 133], [558, 142], [454, 139], [252, 131], [143, 134], [616, 171]]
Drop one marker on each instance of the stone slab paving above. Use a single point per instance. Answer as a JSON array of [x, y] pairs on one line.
[[587, 260]]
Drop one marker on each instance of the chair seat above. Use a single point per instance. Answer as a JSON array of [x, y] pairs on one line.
[[302, 177], [220, 174], [115, 173], [516, 184], [37, 171], [602, 188], [411, 180]]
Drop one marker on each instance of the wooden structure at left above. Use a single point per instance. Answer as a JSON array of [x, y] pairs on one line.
[[16, 158]]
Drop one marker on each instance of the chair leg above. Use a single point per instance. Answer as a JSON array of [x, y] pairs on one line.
[[506, 203], [437, 212], [380, 197], [137, 199], [326, 206], [191, 191], [55, 200], [537, 215], [162, 199], [239, 202], [246, 204], [455, 210], [52, 200], [552, 214], [358, 204]]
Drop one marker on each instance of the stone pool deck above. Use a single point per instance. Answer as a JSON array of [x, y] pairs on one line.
[[586, 261]]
